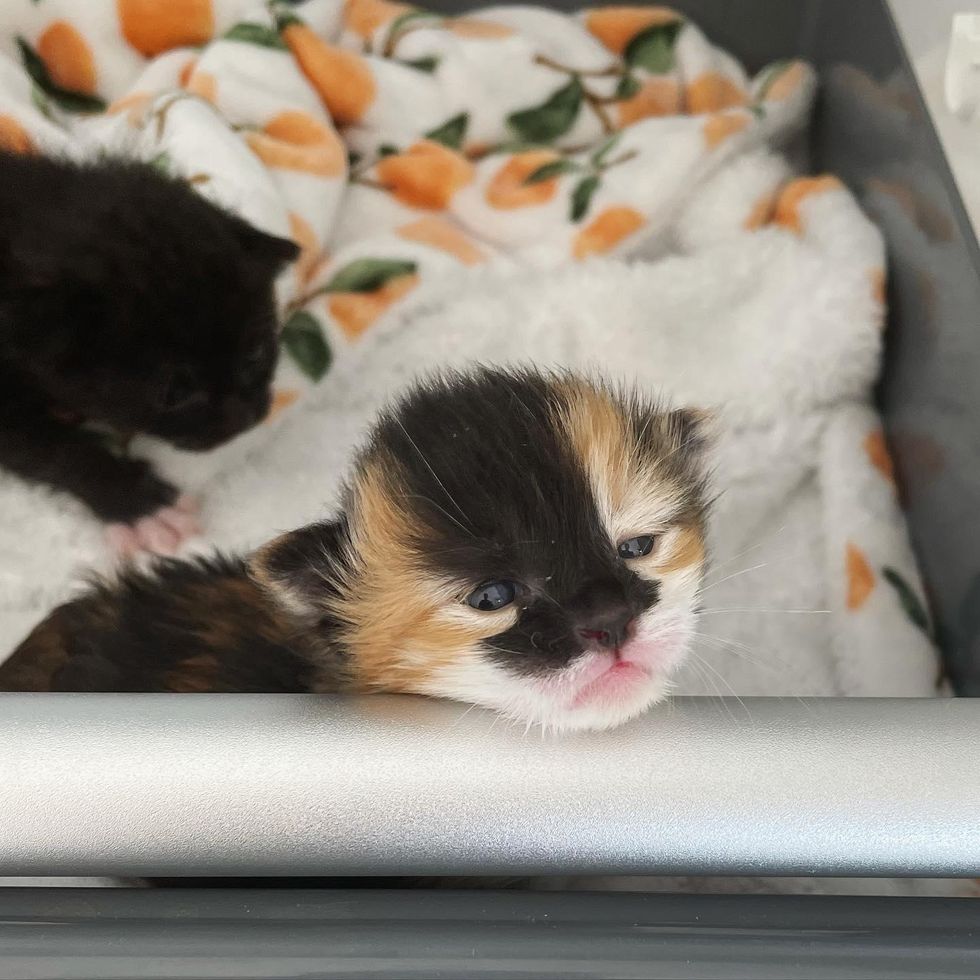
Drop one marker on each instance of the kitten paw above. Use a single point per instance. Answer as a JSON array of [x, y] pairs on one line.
[[160, 533]]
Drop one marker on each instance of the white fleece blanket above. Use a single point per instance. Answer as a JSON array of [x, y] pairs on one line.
[[445, 242]]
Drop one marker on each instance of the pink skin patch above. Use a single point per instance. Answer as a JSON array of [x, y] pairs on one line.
[[161, 533], [605, 677]]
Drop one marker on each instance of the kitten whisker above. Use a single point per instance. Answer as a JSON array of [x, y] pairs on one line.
[[441, 509], [739, 650], [745, 571], [724, 681], [747, 551], [428, 466]]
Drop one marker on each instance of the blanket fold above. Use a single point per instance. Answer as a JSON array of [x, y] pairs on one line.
[[465, 189]]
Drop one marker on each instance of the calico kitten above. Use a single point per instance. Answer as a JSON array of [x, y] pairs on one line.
[[129, 301], [530, 543]]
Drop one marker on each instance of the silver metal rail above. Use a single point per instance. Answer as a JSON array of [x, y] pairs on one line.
[[287, 785]]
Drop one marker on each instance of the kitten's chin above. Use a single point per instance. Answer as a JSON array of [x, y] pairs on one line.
[[598, 693], [610, 704]]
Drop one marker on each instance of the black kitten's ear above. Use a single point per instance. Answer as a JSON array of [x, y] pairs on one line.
[[268, 249], [300, 568]]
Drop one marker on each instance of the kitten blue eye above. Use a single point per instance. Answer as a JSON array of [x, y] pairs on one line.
[[638, 547], [493, 595]]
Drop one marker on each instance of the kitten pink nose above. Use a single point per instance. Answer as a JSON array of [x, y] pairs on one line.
[[610, 631]]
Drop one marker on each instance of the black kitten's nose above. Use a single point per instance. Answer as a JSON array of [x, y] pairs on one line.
[[608, 628]]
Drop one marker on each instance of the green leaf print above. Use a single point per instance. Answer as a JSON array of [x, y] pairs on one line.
[[403, 20], [41, 101], [548, 170], [451, 133], [260, 34], [428, 64], [599, 156], [628, 87], [405, 24], [582, 197], [553, 118], [304, 342], [911, 603], [653, 49], [38, 70], [367, 275]]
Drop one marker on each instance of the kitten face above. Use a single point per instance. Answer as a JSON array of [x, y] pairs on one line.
[[140, 305], [534, 545]]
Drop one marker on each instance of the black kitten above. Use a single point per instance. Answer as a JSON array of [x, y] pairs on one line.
[[129, 301]]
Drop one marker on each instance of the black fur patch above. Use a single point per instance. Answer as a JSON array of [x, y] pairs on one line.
[[188, 627], [126, 299], [497, 493]]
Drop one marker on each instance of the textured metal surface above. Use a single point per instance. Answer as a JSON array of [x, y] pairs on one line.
[[278, 935], [166, 785]]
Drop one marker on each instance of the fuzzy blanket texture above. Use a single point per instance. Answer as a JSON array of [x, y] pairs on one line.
[[465, 189]]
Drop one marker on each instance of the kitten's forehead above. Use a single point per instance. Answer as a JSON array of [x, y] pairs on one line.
[[516, 468]]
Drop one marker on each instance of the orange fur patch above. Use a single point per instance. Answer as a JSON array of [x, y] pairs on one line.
[[626, 486], [597, 433], [688, 551], [393, 618]]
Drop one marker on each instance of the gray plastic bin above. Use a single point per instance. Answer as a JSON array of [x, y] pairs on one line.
[[180, 788]]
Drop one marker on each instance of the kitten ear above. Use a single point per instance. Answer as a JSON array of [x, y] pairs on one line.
[[267, 249], [694, 430], [300, 568]]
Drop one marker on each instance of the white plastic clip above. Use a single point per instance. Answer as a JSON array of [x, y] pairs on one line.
[[962, 87]]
